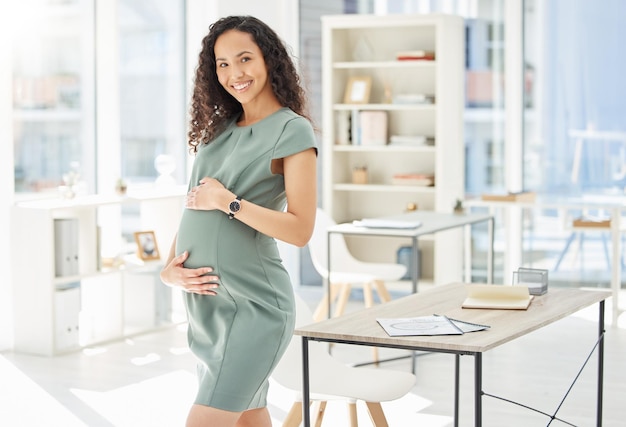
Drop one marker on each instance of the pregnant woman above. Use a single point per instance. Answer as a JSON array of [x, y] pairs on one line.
[[253, 181]]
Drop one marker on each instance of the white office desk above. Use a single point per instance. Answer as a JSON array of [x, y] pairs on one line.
[[614, 205], [431, 223]]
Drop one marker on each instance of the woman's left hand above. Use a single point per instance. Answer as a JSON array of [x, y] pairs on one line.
[[204, 195]]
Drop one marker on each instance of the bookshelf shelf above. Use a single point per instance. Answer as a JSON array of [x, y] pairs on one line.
[[385, 64], [383, 149], [64, 298], [366, 46]]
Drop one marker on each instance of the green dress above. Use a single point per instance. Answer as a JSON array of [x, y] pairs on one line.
[[240, 335]]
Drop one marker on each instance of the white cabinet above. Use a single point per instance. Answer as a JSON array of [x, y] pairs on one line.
[[59, 308], [423, 101]]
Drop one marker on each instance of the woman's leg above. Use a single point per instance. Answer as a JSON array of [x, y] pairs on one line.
[[255, 418], [205, 416]]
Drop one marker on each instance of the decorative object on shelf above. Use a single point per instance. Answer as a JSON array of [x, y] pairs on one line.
[[362, 50], [358, 90], [458, 207], [121, 186], [359, 175], [70, 179], [147, 248], [165, 165], [535, 278]]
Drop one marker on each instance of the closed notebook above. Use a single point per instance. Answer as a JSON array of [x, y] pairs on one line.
[[503, 297]]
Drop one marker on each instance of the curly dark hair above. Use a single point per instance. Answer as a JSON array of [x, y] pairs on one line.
[[212, 107]]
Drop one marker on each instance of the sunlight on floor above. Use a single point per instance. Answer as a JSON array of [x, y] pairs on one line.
[[19, 395], [160, 401]]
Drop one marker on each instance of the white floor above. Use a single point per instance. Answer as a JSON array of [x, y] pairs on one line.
[[150, 381]]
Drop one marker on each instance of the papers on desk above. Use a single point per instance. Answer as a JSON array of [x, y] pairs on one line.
[[503, 297], [428, 325], [386, 223]]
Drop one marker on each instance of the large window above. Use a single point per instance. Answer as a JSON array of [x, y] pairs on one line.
[[53, 86], [575, 131], [152, 87], [57, 119]]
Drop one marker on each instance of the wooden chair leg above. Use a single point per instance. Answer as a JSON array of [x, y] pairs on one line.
[[383, 293], [294, 417], [321, 312], [342, 300], [376, 414], [319, 412], [354, 422]]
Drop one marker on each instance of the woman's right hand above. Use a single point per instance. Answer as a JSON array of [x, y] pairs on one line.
[[192, 280]]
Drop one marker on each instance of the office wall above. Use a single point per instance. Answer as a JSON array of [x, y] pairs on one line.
[[6, 185]]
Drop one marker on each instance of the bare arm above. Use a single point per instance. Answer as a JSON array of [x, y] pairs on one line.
[[294, 226]]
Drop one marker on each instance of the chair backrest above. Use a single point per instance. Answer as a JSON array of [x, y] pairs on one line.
[[318, 245]]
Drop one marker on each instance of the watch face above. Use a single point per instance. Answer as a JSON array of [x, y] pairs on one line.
[[234, 206]]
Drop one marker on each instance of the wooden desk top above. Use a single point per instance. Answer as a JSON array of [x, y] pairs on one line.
[[361, 327]]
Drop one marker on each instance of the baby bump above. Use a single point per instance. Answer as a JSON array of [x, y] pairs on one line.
[[212, 239]]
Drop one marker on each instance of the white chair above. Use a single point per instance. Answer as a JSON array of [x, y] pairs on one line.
[[346, 269], [330, 379]]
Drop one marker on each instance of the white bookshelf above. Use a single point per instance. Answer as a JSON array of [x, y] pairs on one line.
[[56, 313], [366, 45]]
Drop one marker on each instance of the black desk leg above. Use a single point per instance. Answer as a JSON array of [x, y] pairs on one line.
[[457, 371], [306, 417], [600, 362], [415, 273], [478, 389]]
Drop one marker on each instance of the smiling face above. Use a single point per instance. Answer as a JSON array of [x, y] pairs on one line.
[[241, 68]]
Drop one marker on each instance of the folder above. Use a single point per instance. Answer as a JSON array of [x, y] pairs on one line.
[[502, 297]]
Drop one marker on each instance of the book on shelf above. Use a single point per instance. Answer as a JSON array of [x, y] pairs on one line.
[[501, 297], [417, 179], [415, 55], [411, 140], [521, 196], [372, 127], [413, 98]]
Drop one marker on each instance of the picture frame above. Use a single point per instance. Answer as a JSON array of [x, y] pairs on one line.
[[358, 90], [147, 247]]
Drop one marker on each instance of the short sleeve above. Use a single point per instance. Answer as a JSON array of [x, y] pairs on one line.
[[297, 136]]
